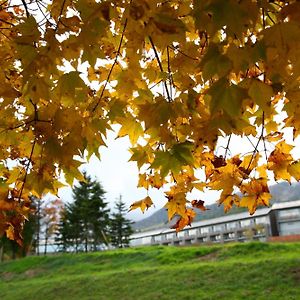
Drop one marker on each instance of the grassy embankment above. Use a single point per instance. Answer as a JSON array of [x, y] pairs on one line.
[[237, 271]]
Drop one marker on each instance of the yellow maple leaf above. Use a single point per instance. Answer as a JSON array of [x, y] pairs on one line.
[[142, 204], [176, 204], [132, 128], [256, 192], [294, 170], [228, 200], [184, 220], [279, 160]]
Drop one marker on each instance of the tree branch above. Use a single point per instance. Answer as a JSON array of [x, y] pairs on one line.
[[160, 67], [111, 69], [26, 170], [26, 8]]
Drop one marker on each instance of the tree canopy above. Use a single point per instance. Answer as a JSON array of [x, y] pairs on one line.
[[177, 76]]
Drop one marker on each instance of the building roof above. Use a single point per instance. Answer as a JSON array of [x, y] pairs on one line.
[[283, 205], [220, 220]]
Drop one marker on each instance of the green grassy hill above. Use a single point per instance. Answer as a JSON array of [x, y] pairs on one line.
[[236, 271]]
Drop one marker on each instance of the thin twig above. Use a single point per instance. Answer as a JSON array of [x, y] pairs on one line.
[[160, 67], [6, 22], [26, 8], [112, 67], [259, 139], [227, 147], [250, 141], [184, 54], [155, 84], [60, 13], [26, 170], [170, 73]]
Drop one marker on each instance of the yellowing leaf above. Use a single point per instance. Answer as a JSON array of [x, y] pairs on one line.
[[142, 204], [132, 128], [199, 204], [228, 201], [256, 193], [10, 233], [184, 220], [294, 170], [261, 93]]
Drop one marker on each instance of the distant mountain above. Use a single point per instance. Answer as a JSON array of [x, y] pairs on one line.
[[281, 192]]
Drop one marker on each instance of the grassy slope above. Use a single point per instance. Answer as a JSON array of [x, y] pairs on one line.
[[238, 271]]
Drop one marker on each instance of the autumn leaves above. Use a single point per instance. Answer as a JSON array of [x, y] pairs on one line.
[[176, 76]]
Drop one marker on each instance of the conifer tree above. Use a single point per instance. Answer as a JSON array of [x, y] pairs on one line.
[[63, 232], [120, 227], [88, 215]]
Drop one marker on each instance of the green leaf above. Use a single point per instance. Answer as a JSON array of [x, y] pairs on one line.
[[261, 93], [226, 97], [183, 153]]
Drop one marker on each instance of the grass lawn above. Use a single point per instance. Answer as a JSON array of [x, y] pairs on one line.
[[234, 271]]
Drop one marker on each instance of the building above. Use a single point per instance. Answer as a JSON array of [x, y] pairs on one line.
[[281, 219]]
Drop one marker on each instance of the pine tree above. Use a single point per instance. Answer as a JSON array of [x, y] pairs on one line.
[[120, 227], [63, 232], [88, 215]]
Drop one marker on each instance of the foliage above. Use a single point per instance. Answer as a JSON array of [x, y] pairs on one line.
[[85, 222], [48, 217], [120, 227], [9, 249], [239, 271], [177, 76]]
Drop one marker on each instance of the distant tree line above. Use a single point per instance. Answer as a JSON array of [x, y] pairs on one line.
[[86, 224]]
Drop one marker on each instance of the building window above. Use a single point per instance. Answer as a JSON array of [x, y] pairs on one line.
[[261, 220], [288, 228], [170, 236], [229, 236], [215, 238], [193, 231], [246, 223], [259, 229], [204, 230], [203, 239], [157, 238], [181, 234], [218, 227], [289, 214], [231, 225]]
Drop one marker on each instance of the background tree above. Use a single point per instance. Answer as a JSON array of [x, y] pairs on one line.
[[63, 233], [50, 214], [183, 79], [120, 227], [85, 222]]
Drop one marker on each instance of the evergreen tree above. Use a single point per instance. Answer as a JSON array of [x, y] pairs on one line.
[[63, 232], [88, 215], [120, 227]]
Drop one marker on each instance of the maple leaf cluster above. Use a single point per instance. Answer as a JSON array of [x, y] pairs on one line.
[[177, 76]]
